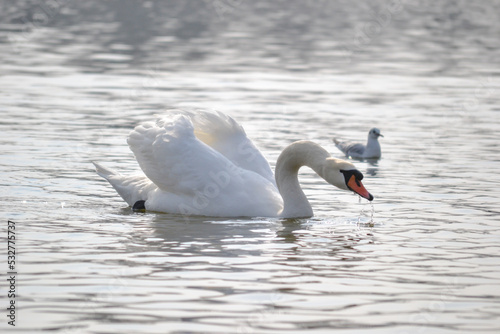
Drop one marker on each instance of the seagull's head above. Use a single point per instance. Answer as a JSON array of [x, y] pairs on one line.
[[374, 133]]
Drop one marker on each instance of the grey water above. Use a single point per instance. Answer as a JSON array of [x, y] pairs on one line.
[[76, 77]]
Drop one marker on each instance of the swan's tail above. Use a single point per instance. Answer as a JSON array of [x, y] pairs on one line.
[[131, 188], [105, 172]]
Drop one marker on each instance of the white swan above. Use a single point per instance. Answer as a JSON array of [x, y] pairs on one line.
[[356, 150], [202, 163]]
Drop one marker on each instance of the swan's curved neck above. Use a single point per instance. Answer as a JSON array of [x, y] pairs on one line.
[[298, 154]]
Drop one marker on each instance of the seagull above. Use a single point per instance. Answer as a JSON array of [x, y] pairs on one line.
[[356, 150]]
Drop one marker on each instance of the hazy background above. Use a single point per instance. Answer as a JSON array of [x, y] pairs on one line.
[[77, 76]]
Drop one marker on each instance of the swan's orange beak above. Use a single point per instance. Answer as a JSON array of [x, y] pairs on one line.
[[358, 188]]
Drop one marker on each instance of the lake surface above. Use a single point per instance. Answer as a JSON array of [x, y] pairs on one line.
[[76, 77]]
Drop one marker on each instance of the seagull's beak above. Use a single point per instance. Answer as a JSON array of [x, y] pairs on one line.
[[380, 135], [358, 188]]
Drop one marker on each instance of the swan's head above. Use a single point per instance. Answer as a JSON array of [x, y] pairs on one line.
[[374, 133], [344, 175]]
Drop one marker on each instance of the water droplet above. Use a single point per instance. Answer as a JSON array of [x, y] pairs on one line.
[[362, 213], [373, 212]]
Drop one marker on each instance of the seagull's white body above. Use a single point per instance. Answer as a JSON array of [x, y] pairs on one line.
[[202, 163], [371, 150]]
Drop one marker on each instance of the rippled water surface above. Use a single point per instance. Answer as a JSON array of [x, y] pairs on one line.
[[76, 77]]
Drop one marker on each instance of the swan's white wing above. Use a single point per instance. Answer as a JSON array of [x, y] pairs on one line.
[[225, 135], [174, 158], [194, 178], [171, 156]]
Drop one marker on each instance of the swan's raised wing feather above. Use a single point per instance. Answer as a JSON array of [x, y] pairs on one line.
[[222, 133], [174, 159]]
